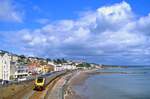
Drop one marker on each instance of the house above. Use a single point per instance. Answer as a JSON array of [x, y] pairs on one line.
[[1, 69], [14, 58], [21, 73], [5, 60], [51, 63], [69, 66], [32, 59], [38, 70], [58, 67], [35, 66], [45, 69], [51, 67], [13, 69]]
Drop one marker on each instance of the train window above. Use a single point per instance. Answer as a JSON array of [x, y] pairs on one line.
[[40, 80]]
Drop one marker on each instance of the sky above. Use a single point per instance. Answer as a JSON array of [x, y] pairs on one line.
[[102, 31]]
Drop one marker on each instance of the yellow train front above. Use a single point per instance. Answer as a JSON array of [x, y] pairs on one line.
[[40, 83]]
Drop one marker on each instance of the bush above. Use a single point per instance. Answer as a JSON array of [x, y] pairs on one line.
[[87, 65]]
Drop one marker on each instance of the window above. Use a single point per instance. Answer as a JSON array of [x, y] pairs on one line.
[[40, 79]]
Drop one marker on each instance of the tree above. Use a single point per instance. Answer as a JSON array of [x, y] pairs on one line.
[[59, 61], [43, 63], [87, 65], [64, 61], [55, 61], [48, 59], [22, 59]]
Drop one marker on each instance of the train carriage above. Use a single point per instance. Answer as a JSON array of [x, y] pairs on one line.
[[42, 81]]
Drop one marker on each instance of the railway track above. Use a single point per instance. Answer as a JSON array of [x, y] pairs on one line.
[[30, 93]]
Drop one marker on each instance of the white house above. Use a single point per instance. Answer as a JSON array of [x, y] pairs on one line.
[[51, 63], [69, 66], [58, 67], [5, 66], [65, 66], [1, 69], [21, 73]]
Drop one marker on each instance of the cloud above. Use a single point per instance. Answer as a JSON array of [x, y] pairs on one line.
[[9, 12], [110, 34]]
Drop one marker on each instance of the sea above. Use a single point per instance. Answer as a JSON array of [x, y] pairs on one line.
[[117, 83]]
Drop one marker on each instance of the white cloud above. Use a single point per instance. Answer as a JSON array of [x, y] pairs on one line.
[[9, 12], [121, 11], [110, 31]]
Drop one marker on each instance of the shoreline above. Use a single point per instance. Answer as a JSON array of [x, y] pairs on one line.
[[77, 79]]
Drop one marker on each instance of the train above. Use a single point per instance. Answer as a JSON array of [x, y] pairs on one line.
[[43, 80]]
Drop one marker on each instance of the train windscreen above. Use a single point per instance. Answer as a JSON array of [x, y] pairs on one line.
[[40, 79]]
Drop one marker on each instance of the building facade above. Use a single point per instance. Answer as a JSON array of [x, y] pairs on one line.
[[21, 72], [5, 66], [13, 69], [1, 69]]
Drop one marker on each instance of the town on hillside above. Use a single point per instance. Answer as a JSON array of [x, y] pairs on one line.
[[16, 68]]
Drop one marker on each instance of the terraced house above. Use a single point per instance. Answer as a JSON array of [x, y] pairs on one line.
[[4, 66]]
